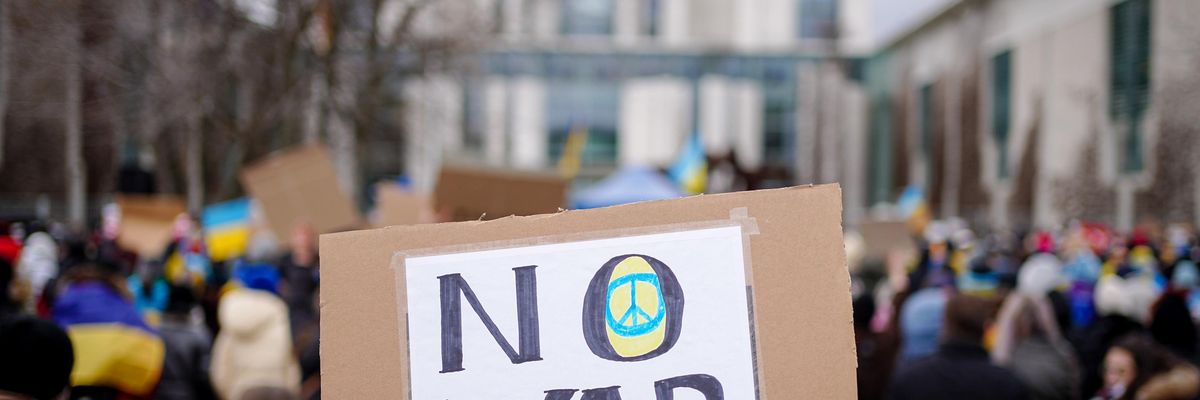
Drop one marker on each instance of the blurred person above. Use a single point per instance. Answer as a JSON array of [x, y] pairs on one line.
[[1081, 272], [1171, 325], [117, 355], [1137, 368], [9, 304], [1186, 279], [37, 266], [871, 379], [253, 354], [960, 369], [1122, 302], [300, 271], [1029, 342], [186, 367], [150, 291], [185, 260], [308, 352], [36, 358], [920, 322]]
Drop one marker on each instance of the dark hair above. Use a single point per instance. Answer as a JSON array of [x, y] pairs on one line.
[[1172, 324], [36, 357], [181, 300], [864, 309], [967, 317], [1149, 358]]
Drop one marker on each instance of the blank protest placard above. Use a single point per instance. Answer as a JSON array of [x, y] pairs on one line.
[[628, 312]]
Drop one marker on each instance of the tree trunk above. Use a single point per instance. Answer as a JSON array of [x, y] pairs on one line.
[[344, 148], [75, 177], [5, 53], [194, 167]]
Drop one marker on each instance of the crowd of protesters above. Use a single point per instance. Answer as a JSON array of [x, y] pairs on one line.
[[83, 318], [1083, 313]]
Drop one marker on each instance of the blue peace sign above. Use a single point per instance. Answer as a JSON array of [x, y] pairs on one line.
[[640, 322]]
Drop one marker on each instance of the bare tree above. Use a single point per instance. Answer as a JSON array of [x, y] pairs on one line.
[[5, 54], [73, 81], [204, 86]]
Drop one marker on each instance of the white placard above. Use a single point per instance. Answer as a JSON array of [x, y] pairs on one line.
[[686, 330]]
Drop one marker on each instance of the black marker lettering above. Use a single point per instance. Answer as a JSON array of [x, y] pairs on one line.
[[454, 288]]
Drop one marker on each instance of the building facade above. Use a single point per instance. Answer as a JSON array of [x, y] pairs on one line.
[[1028, 113], [760, 81]]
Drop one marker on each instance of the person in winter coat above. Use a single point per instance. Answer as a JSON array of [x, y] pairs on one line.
[[960, 369], [1171, 325], [185, 370], [37, 265], [1123, 302], [299, 272], [1029, 342], [253, 357], [1137, 368], [1028, 335], [117, 355], [920, 321]]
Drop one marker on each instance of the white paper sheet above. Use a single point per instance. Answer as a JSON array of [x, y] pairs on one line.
[[713, 336]]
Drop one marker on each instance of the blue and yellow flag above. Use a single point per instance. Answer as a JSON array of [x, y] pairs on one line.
[[690, 171], [572, 154], [227, 228]]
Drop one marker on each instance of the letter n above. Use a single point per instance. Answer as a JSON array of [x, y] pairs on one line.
[[454, 288]]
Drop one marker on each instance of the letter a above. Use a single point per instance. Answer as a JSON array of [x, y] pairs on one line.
[[707, 385], [454, 288]]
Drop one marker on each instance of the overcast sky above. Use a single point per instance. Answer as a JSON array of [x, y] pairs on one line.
[[893, 17]]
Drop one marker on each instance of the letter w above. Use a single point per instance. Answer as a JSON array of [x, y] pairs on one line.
[[454, 288]]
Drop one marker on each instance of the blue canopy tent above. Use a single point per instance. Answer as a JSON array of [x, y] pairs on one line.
[[627, 185]]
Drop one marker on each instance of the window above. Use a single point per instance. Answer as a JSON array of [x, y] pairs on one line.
[[1130, 77], [648, 18], [474, 114], [591, 105], [1001, 99], [881, 149], [587, 17], [778, 123], [818, 19], [926, 98]]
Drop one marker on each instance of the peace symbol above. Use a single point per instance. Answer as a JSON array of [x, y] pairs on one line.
[[635, 321]]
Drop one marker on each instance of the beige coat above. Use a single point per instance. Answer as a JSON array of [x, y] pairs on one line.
[[254, 347]]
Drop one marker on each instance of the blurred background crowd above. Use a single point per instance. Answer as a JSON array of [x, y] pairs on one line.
[[173, 326], [1083, 312]]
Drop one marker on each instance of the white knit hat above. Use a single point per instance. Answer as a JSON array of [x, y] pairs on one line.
[[1130, 297]]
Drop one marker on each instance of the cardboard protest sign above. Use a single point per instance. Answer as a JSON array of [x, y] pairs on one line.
[[469, 192], [396, 206], [147, 222], [733, 296], [300, 185], [882, 237]]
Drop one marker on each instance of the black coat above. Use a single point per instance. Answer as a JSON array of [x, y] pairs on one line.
[[959, 370]]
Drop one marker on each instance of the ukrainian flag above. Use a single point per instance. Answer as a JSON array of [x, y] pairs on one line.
[[690, 171], [572, 154], [227, 228], [113, 346]]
